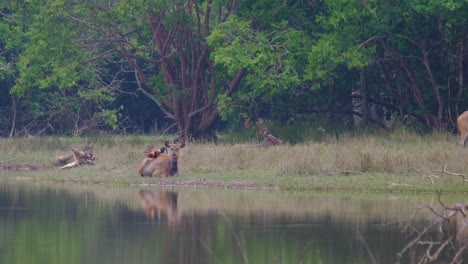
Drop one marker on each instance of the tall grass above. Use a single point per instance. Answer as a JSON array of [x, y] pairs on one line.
[[391, 153], [293, 133], [402, 154]]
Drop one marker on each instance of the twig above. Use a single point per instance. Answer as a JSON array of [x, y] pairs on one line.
[[413, 242], [458, 207], [78, 157], [452, 173], [438, 251], [360, 237], [394, 184], [444, 243], [459, 253], [431, 175], [371, 39], [70, 165]]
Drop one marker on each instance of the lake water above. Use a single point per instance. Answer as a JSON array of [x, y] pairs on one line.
[[53, 223]]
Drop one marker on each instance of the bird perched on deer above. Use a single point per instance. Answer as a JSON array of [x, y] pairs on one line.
[[165, 164], [155, 153]]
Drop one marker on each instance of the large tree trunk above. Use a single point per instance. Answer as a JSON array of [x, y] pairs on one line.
[[189, 74]]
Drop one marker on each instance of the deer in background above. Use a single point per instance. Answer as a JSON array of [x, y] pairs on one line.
[[164, 164], [462, 124]]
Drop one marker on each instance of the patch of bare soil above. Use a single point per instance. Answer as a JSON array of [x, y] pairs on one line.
[[7, 165]]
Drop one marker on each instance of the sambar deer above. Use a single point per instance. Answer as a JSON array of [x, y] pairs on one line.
[[462, 124], [165, 164]]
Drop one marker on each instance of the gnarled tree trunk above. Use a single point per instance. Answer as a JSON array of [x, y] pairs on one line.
[[184, 60]]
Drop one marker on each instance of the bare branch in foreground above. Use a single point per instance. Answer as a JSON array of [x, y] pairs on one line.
[[444, 171], [444, 239]]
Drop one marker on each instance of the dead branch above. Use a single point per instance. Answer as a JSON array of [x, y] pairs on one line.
[[459, 253], [451, 240], [63, 159], [71, 165], [412, 243], [394, 184], [438, 251], [361, 238], [78, 157], [452, 173], [430, 173]]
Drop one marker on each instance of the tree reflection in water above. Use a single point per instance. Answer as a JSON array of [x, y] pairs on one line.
[[219, 227], [95, 224], [442, 239]]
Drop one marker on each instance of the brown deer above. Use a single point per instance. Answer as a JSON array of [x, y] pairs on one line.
[[164, 164], [462, 124]]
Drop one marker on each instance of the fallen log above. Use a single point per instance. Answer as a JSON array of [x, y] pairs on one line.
[[78, 157]]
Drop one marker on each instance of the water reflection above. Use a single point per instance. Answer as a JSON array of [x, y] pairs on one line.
[[158, 203], [461, 226], [102, 224]]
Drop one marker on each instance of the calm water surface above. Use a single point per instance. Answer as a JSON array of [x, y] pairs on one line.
[[108, 224]]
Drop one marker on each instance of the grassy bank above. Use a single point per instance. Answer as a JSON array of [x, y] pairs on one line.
[[398, 161]]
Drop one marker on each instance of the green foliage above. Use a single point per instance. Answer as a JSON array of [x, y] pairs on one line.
[[264, 54], [102, 94], [109, 118], [293, 52], [344, 29], [313, 129], [223, 106], [55, 85], [273, 52]]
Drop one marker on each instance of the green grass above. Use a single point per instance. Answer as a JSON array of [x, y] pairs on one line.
[[401, 161]]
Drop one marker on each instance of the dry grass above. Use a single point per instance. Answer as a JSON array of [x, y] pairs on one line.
[[402, 157], [367, 154]]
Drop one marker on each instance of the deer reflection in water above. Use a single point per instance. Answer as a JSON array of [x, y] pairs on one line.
[[159, 203]]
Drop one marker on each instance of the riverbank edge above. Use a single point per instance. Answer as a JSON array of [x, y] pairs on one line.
[[371, 183]]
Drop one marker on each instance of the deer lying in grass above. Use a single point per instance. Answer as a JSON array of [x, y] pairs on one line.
[[164, 164], [462, 124]]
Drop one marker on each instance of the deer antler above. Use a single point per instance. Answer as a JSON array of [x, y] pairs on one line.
[[149, 148]]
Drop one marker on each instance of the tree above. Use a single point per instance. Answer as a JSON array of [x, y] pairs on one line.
[[54, 90], [191, 57], [163, 43], [270, 39], [413, 54]]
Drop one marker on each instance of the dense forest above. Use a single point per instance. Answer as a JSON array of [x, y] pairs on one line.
[[70, 67]]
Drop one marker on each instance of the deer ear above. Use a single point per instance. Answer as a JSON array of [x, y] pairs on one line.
[[182, 145], [167, 144]]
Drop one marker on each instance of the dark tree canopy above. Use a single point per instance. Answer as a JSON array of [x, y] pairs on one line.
[[69, 67]]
